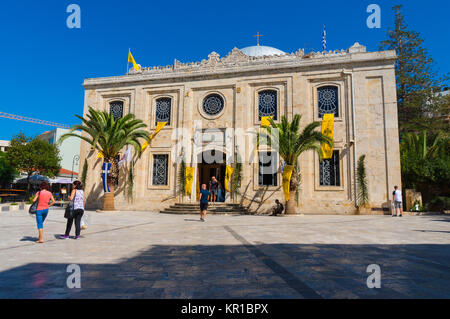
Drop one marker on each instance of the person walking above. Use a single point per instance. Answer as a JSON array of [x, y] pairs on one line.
[[77, 196], [46, 200], [398, 203], [213, 186], [204, 194]]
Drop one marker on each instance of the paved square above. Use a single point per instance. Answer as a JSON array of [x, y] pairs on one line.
[[151, 255]]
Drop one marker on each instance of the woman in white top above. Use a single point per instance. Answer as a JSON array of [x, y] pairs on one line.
[[77, 196]]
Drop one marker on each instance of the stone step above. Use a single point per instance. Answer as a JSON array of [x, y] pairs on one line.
[[217, 209], [177, 212], [209, 207]]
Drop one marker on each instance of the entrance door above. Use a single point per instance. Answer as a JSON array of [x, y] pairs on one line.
[[207, 170]]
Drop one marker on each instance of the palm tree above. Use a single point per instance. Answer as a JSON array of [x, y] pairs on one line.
[[108, 136], [291, 142], [415, 151]]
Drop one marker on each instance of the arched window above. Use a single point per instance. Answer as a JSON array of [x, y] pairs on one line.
[[328, 100], [213, 104], [268, 104], [116, 108], [163, 110]]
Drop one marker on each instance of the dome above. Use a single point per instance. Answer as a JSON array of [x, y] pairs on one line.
[[260, 50]]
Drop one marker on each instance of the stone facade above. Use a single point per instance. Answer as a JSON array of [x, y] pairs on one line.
[[366, 123]]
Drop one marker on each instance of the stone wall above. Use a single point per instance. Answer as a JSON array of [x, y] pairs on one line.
[[367, 124]]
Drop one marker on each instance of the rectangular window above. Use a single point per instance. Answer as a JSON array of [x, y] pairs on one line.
[[160, 169], [267, 169], [329, 171]]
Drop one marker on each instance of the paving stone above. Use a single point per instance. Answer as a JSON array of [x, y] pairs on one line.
[[151, 255]]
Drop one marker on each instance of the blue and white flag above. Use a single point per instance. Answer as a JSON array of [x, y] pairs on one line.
[[106, 168], [283, 165], [324, 39]]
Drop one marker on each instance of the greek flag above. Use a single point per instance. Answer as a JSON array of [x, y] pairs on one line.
[[105, 171], [324, 39]]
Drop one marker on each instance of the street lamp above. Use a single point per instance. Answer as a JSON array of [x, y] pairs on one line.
[[76, 158]]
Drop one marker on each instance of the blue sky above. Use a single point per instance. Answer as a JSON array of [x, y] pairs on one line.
[[43, 63]]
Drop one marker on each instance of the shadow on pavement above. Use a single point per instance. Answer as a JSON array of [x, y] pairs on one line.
[[245, 271]]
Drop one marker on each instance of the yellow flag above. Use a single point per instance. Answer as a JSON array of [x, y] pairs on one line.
[[100, 154], [328, 130], [286, 180], [265, 121], [144, 146], [131, 60], [189, 180], [228, 173], [159, 127]]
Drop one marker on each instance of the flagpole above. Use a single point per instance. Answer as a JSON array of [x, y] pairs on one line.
[[128, 59]]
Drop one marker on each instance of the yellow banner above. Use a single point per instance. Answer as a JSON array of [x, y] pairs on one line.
[[286, 181], [265, 121], [189, 180], [159, 127], [228, 173], [328, 130], [131, 60]]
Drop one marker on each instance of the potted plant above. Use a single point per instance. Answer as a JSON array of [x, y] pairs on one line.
[[363, 205]]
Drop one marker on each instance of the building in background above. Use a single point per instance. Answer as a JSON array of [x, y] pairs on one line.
[[69, 151], [4, 145]]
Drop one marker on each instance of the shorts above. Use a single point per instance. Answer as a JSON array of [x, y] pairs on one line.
[[397, 204], [203, 206], [213, 192]]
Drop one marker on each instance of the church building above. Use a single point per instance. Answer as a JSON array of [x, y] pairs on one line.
[[213, 107]]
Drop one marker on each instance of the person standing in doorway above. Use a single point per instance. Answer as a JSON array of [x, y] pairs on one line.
[[204, 194], [46, 200], [213, 187], [77, 196], [398, 203]]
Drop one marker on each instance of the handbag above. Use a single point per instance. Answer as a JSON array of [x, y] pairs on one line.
[[33, 207], [69, 209]]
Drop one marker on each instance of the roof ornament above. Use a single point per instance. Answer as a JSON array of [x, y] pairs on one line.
[[257, 35]]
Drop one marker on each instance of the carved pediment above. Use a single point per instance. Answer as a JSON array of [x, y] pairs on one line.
[[235, 56]]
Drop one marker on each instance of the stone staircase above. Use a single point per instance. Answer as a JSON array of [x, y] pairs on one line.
[[214, 209]]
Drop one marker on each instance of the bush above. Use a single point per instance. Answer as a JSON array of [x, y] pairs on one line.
[[417, 207], [439, 204], [30, 200], [13, 204]]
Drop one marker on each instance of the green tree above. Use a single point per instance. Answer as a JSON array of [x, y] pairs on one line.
[[361, 181], [426, 163], [290, 142], [109, 136], [419, 105], [182, 179], [236, 177], [33, 156], [7, 172], [84, 172]]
